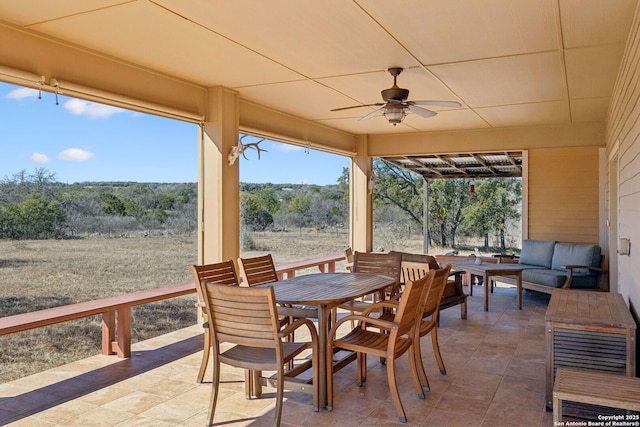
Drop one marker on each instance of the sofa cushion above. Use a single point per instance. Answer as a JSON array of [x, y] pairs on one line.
[[571, 254], [551, 278], [537, 252], [556, 279]]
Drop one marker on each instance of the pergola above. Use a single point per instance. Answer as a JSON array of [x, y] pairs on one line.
[[467, 165], [547, 88]]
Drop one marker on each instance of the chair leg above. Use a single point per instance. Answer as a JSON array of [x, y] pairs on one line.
[[205, 356], [463, 310], [393, 389], [436, 350], [413, 365], [256, 387], [280, 395], [362, 368], [418, 366], [248, 384], [214, 392]]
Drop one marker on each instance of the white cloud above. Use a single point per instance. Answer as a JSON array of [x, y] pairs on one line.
[[39, 158], [91, 109], [286, 148], [22, 93], [76, 155]]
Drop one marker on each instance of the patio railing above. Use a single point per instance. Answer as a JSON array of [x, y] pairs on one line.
[[116, 311]]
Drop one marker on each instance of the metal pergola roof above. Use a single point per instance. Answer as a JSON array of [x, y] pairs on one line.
[[507, 164]]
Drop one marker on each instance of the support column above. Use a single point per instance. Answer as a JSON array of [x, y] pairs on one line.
[[425, 216], [219, 182], [361, 199]]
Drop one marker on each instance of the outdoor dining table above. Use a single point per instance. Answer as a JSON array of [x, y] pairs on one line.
[[487, 270], [320, 293]]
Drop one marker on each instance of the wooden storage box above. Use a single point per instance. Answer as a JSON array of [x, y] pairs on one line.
[[588, 330]]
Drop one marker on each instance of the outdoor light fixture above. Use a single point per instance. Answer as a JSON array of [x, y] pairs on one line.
[[56, 85], [394, 114]]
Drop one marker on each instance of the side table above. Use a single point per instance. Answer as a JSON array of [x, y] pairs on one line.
[[588, 330]]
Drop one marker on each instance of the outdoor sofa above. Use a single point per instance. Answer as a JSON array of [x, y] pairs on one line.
[[550, 265]]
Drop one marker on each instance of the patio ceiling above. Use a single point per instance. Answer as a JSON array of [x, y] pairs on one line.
[[509, 63]]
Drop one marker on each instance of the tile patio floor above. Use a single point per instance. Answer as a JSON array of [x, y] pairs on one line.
[[495, 377]]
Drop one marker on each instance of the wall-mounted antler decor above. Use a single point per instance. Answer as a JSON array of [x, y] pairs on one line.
[[239, 149]]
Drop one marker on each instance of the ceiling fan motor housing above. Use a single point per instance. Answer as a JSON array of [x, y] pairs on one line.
[[395, 93]]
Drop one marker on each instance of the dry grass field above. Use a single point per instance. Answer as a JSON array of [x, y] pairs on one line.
[[38, 274]]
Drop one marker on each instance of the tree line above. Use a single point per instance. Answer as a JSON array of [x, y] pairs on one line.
[[457, 208], [36, 206]]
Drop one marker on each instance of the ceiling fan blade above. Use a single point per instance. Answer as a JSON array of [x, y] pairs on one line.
[[453, 104], [358, 106], [372, 114], [421, 111]]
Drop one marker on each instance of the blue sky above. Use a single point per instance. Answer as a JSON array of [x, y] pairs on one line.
[[84, 141]]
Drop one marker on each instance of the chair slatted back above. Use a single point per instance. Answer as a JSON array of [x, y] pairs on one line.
[[223, 273], [243, 315], [387, 264], [258, 270], [348, 257], [412, 302], [412, 271], [435, 291]]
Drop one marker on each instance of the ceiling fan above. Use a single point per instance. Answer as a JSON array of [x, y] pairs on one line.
[[396, 106]]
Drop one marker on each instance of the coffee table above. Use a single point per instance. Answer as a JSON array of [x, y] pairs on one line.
[[488, 270]]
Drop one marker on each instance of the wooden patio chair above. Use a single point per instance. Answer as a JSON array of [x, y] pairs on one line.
[[386, 264], [413, 267], [223, 273], [246, 317], [258, 270], [348, 257], [388, 339], [261, 270], [428, 323], [429, 320]]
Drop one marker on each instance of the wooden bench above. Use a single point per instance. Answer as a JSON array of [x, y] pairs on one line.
[[115, 311], [595, 388]]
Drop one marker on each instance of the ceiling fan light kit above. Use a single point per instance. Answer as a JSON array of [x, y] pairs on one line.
[[395, 105], [394, 114]]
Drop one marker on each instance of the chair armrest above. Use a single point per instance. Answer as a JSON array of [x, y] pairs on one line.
[[570, 268], [380, 305], [298, 323], [586, 267], [363, 321], [366, 321]]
